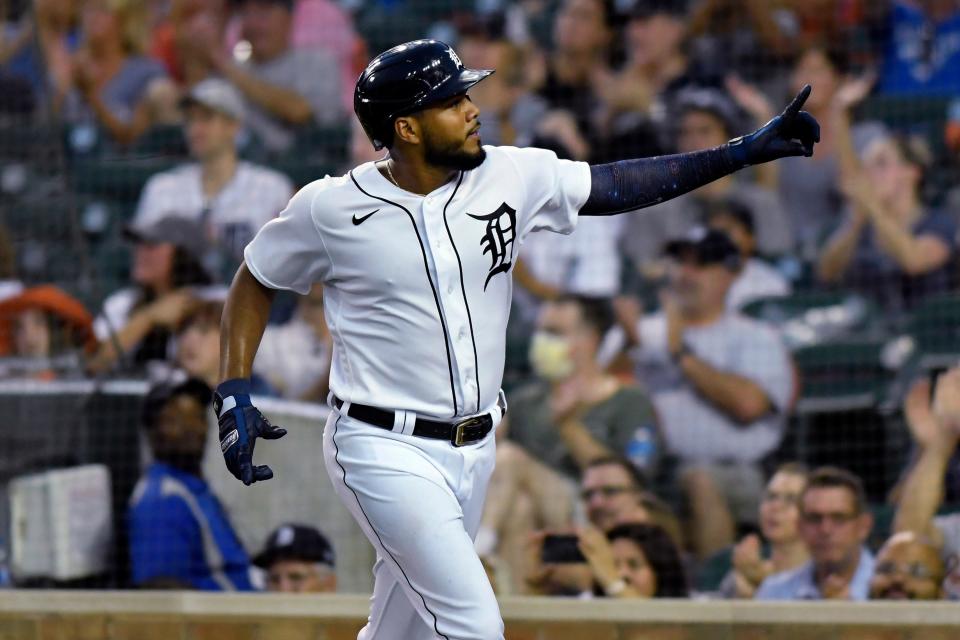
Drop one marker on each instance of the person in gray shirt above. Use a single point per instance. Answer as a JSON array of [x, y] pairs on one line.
[[284, 87], [722, 385]]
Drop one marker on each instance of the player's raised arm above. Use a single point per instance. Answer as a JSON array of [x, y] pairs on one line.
[[633, 184], [244, 319]]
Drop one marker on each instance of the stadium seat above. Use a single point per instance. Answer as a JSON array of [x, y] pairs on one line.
[[118, 178], [935, 329], [810, 318], [841, 375], [318, 151]]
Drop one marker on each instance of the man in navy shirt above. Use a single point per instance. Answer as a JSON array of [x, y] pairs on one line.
[[179, 534]]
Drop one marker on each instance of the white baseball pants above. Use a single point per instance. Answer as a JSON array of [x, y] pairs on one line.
[[419, 502]]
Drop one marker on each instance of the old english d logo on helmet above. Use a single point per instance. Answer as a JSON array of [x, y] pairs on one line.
[[405, 79]]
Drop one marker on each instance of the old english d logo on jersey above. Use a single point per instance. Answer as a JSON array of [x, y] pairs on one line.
[[498, 239]]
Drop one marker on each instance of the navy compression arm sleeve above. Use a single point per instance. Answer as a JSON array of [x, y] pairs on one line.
[[633, 184]]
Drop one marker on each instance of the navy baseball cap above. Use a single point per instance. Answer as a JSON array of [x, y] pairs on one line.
[[160, 394], [705, 246], [295, 542]]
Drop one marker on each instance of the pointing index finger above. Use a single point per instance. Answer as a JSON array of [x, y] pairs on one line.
[[794, 107]]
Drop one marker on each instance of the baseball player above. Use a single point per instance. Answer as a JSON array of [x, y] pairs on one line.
[[415, 252]]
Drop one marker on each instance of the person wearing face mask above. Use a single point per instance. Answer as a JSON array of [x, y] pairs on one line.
[[722, 385], [574, 414]]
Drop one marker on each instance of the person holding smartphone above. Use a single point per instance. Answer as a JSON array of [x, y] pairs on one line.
[[633, 560]]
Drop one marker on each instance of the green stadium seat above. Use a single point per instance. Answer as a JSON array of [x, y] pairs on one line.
[[318, 151], [935, 329], [815, 317], [842, 375], [116, 178], [923, 115]]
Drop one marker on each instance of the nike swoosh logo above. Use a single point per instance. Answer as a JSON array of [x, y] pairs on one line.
[[359, 221]]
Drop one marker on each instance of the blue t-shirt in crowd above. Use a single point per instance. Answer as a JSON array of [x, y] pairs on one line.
[[920, 56], [875, 274], [178, 529]]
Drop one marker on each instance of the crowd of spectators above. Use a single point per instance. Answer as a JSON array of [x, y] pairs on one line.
[[651, 406]]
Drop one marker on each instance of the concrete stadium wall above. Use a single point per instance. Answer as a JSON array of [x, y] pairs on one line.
[[92, 615]]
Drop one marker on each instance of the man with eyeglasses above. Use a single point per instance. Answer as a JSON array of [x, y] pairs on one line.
[[908, 567], [834, 524]]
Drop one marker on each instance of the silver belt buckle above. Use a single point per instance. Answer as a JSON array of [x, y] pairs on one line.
[[458, 436]]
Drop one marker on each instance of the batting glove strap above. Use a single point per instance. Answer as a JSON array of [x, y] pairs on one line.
[[231, 394]]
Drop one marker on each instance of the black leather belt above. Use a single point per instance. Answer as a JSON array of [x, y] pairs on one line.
[[463, 432]]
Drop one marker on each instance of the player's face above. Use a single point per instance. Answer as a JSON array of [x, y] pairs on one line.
[[831, 527], [779, 513], [907, 569], [610, 498], [451, 134], [633, 567], [297, 576]]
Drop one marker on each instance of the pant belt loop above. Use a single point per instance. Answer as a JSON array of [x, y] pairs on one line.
[[399, 419], [410, 421]]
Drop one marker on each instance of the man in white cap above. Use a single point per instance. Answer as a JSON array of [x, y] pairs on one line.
[[231, 198]]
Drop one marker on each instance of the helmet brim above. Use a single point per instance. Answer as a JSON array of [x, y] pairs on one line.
[[454, 86]]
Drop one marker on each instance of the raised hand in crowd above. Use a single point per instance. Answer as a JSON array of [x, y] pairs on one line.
[[935, 431], [750, 569], [946, 404]]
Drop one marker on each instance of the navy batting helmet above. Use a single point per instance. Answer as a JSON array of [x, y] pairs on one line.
[[407, 78]]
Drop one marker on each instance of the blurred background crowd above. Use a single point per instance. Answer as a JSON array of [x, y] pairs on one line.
[[744, 392]]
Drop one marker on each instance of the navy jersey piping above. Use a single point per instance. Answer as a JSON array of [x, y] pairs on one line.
[[436, 298], [463, 288]]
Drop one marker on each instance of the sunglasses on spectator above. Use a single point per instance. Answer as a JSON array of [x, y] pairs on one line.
[[836, 519], [607, 492], [916, 570]]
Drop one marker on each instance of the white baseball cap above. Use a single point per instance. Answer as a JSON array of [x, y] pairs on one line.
[[216, 94]]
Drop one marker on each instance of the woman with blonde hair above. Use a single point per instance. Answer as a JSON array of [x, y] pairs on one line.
[[110, 80]]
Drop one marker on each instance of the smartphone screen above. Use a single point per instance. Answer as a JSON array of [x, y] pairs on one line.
[[561, 549]]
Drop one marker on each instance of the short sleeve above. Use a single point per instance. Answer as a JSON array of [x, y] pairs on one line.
[[115, 314], [763, 358], [152, 202], [288, 252], [555, 189]]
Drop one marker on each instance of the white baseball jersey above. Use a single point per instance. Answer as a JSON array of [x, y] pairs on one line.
[[418, 288]]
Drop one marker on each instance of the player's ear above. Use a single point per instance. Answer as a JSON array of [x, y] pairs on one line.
[[407, 128]]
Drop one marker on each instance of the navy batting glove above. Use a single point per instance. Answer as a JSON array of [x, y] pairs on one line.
[[792, 133], [241, 424]]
